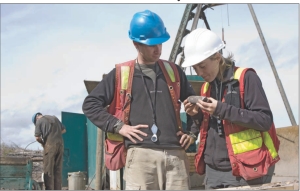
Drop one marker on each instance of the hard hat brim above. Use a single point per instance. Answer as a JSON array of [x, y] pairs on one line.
[[152, 41], [192, 61], [199, 58]]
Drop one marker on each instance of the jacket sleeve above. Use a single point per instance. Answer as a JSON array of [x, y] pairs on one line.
[[37, 132], [257, 113], [94, 105], [40, 124], [187, 90]]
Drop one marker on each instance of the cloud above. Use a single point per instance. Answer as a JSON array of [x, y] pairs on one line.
[[16, 23], [21, 137], [12, 14], [285, 58], [51, 82], [288, 77]]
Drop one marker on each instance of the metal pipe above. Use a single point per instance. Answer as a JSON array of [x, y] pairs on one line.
[[196, 17], [280, 87], [181, 58], [194, 26], [205, 19], [180, 33]]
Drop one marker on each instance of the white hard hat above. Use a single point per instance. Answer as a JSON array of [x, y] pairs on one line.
[[200, 44]]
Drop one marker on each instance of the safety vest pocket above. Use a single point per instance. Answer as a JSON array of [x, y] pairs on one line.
[[251, 165]]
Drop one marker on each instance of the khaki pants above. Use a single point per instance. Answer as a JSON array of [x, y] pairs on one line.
[[53, 154], [156, 169]]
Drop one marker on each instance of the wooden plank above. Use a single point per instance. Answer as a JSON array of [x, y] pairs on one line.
[[287, 168], [37, 159], [191, 157], [90, 85], [13, 160], [13, 171], [13, 183]]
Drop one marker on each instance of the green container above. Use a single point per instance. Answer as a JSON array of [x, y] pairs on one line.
[[80, 142], [75, 145], [92, 150]]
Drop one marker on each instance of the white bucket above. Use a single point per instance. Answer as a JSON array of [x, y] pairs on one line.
[[77, 180]]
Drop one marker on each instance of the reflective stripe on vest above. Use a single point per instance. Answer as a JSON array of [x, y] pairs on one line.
[[114, 137], [244, 141], [270, 145], [206, 85], [170, 71], [124, 77], [237, 73]]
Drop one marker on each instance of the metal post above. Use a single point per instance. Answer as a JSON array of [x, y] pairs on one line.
[[180, 33], [196, 18], [194, 26], [115, 180], [99, 160], [204, 19], [281, 90]]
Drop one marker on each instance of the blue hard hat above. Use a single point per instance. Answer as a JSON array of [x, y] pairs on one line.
[[147, 28], [34, 117]]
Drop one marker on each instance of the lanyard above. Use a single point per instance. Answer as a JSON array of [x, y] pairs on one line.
[[152, 105], [220, 132]]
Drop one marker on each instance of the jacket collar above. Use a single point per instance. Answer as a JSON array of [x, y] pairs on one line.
[[228, 75]]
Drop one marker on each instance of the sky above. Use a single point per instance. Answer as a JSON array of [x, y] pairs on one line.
[[48, 50]]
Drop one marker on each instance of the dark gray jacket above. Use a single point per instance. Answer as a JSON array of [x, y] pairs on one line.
[[141, 111]]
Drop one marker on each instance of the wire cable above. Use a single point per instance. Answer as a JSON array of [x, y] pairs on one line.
[[221, 16], [29, 144], [90, 182], [228, 15]]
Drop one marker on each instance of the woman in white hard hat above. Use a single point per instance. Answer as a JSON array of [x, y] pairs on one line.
[[238, 145]]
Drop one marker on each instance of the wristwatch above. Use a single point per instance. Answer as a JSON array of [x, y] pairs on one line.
[[118, 126]]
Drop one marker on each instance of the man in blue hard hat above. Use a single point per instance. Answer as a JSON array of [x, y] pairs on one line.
[[48, 132], [156, 157]]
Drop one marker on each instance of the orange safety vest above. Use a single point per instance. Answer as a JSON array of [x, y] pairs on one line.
[[120, 106], [250, 152]]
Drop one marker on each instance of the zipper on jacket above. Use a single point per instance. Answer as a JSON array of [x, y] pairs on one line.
[[213, 161], [214, 134], [127, 101]]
